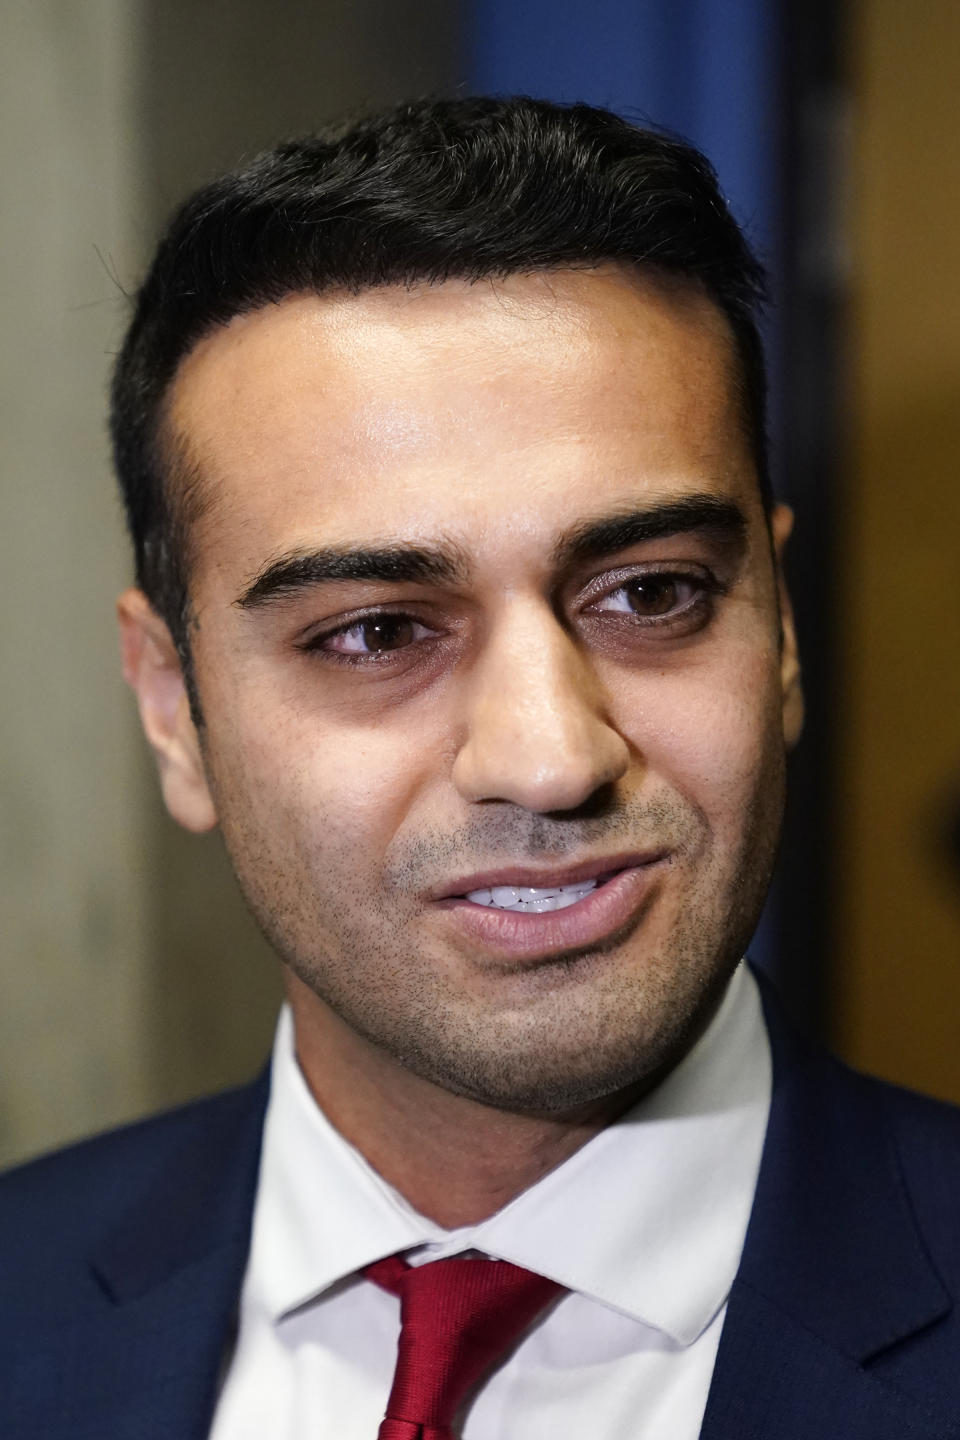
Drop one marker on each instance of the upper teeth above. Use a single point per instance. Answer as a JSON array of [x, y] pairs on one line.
[[534, 900]]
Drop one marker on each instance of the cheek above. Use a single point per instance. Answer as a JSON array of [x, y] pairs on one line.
[[710, 732], [337, 791]]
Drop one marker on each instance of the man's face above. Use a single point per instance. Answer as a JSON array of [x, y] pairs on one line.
[[485, 603]]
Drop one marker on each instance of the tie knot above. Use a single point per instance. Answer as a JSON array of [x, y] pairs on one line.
[[458, 1318]]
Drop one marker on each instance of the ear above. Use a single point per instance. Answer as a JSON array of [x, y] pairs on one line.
[[151, 666], [781, 524]]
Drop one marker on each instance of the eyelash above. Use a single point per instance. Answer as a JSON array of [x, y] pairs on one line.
[[317, 643], [705, 586]]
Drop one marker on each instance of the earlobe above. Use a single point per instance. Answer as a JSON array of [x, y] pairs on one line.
[[793, 705], [151, 666], [791, 684]]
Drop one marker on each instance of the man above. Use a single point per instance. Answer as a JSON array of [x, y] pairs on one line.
[[460, 611]]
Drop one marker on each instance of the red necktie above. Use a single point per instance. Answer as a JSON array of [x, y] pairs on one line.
[[457, 1319]]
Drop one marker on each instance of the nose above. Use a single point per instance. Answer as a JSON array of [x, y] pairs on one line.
[[538, 734]]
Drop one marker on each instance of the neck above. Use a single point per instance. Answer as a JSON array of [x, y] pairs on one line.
[[454, 1159]]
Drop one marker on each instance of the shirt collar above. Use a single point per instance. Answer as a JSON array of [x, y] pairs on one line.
[[648, 1218]]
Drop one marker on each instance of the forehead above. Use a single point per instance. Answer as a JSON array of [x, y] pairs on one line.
[[450, 409]]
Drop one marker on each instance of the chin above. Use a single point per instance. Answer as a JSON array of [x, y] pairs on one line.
[[561, 1058]]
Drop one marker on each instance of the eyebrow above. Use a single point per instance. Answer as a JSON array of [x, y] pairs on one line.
[[298, 570], [714, 516]]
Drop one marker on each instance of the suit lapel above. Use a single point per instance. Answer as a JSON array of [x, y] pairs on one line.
[[833, 1273], [199, 1205], [144, 1370], [776, 1380], [146, 1365]]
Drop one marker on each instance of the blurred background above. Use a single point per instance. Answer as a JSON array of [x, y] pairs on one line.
[[130, 975]]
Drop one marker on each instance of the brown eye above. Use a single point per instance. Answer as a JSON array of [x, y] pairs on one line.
[[651, 597], [657, 594], [376, 635], [389, 633]]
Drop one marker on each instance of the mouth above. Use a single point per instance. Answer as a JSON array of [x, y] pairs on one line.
[[517, 911], [535, 899]]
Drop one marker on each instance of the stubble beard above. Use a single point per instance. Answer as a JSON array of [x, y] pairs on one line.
[[575, 1029]]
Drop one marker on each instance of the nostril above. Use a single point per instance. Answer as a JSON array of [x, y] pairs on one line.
[[540, 775], [599, 805]]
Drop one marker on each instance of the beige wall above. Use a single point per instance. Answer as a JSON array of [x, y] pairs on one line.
[[73, 950], [898, 992]]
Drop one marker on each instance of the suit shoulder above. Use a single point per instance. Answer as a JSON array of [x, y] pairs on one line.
[[919, 1121], [78, 1190], [924, 1136], [927, 1135], [920, 1126]]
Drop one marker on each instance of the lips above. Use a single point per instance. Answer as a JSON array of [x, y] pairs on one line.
[[522, 913], [558, 877]]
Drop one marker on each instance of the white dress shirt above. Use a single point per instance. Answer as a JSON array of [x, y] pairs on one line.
[[644, 1226]]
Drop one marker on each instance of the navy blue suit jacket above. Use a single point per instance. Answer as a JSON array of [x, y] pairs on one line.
[[121, 1261]]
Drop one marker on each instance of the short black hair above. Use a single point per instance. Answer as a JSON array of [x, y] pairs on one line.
[[427, 191]]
